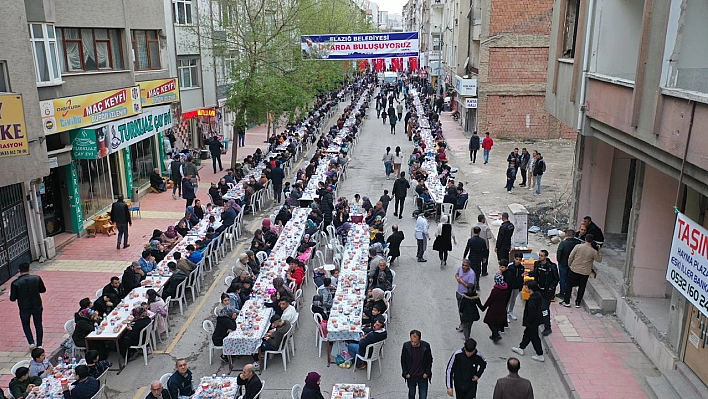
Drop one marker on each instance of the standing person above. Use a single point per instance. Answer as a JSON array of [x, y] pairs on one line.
[[513, 386], [580, 263], [475, 251], [421, 235], [417, 365], [120, 215], [546, 274], [487, 144], [592, 228], [392, 119], [469, 308], [486, 233], [562, 254], [532, 319], [399, 192], [215, 147], [523, 165], [495, 305], [384, 115], [463, 371], [241, 135], [399, 110], [532, 177], [388, 162], [176, 176], [538, 169], [190, 169], [394, 243], [250, 381], [514, 157], [514, 277], [188, 190], [510, 177], [397, 161], [473, 147], [504, 236], [26, 290], [444, 238], [277, 175], [465, 278]]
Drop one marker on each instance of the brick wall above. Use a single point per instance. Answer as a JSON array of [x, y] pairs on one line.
[[513, 65], [507, 115], [527, 17]]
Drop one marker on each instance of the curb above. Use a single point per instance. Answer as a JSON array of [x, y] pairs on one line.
[[560, 368]]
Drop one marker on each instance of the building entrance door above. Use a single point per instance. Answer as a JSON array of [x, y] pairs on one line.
[[14, 238], [696, 343]]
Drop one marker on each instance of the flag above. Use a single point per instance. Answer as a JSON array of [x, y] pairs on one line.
[[413, 62]]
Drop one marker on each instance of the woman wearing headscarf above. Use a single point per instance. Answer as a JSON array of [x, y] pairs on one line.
[[496, 308], [156, 235], [269, 236], [157, 250], [158, 306], [311, 390], [141, 320], [343, 231], [282, 290], [258, 243], [376, 298], [170, 238], [85, 320], [366, 203], [444, 238]]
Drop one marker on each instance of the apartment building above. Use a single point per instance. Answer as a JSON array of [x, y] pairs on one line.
[[631, 77], [97, 97]]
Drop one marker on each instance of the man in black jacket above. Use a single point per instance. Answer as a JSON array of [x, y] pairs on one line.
[[417, 365], [523, 164], [378, 334], [250, 380], [464, 369], [120, 215], [476, 250], [276, 177], [157, 391], [506, 232], [532, 319], [394, 243], [177, 277], [133, 276], [399, 192], [546, 274], [26, 290], [562, 254], [591, 228], [115, 289], [215, 147]]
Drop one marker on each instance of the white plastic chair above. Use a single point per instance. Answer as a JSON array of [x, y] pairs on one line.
[[331, 232], [393, 275], [320, 258], [167, 317], [373, 353], [192, 283], [319, 333], [298, 299], [282, 351], [100, 391], [143, 342], [180, 296], [447, 209], [228, 280], [69, 327], [164, 379], [292, 339], [99, 293], [258, 395], [463, 211], [208, 326], [216, 311], [295, 392], [21, 363], [261, 256]]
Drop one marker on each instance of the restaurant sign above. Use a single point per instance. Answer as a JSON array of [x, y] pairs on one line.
[[13, 131], [160, 91], [69, 113], [122, 133]]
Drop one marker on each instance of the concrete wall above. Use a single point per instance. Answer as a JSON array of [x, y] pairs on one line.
[[15, 49], [597, 162], [610, 104], [91, 14], [617, 195], [617, 31], [693, 57], [652, 240], [673, 130]]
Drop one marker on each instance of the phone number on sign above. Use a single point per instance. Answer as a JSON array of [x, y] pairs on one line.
[[689, 290]]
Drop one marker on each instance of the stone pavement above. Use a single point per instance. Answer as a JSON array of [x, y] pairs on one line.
[[595, 356], [86, 264]]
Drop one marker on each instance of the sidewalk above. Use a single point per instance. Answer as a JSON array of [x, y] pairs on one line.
[[595, 356], [86, 264]]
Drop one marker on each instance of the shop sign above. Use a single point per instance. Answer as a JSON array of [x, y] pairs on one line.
[[69, 113], [77, 216], [465, 87], [470, 102], [202, 112], [122, 133], [128, 171], [160, 91], [688, 262], [88, 144], [13, 130], [53, 163]]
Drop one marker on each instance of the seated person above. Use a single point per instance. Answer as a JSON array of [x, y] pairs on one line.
[[178, 276], [40, 365], [156, 180], [462, 197], [274, 337], [115, 287], [96, 367], [296, 272], [318, 276], [193, 255], [215, 194], [170, 238], [141, 320], [378, 334], [133, 276], [382, 277], [234, 293], [288, 312], [105, 303], [376, 297], [85, 386], [229, 309], [180, 383], [184, 264], [157, 391], [222, 186], [198, 208], [318, 308], [425, 196], [21, 385], [376, 314], [224, 326], [326, 291], [250, 381], [157, 250], [182, 228], [85, 320], [147, 261]]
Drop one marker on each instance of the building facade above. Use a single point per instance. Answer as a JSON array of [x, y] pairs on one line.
[[642, 153]]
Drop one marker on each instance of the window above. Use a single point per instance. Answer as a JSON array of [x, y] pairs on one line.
[[95, 185], [188, 72], [4, 79], [146, 49], [570, 34], [90, 49], [46, 54], [227, 14], [141, 153], [182, 11]]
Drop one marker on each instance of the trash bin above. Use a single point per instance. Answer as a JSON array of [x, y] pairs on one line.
[[204, 154]]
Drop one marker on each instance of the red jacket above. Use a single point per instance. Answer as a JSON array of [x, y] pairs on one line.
[[487, 143]]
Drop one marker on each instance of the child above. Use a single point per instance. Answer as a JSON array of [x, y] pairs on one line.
[[383, 116], [385, 199], [470, 305], [39, 365], [286, 189]]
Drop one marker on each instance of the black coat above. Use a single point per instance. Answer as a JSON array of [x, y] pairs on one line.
[[532, 311], [131, 279], [469, 308], [188, 189], [215, 147], [119, 292], [394, 244], [311, 393], [506, 232], [426, 359], [26, 290], [546, 275], [400, 187], [221, 330], [476, 249], [327, 206], [514, 276], [252, 385], [120, 213]]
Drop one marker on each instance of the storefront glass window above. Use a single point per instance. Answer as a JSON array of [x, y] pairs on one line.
[[95, 185], [141, 154]]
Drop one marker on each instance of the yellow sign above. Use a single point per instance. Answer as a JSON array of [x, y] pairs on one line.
[[13, 133], [161, 91], [69, 113]]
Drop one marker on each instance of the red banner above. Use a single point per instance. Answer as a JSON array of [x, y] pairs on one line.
[[379, 64], [413, 63]]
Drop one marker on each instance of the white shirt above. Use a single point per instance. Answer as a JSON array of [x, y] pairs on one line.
[[289, 314], [421, 228]]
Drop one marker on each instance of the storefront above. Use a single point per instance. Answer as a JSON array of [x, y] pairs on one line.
[[466, 90], [198, 125]]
